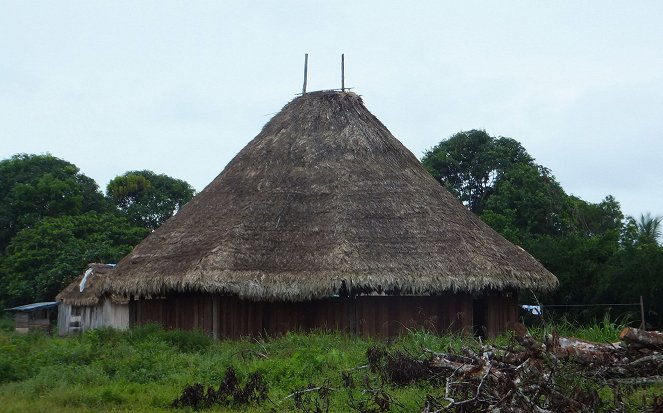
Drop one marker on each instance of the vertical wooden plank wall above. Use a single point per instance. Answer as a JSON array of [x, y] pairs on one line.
[[114, 315], [186, 311], [64, 313], [383, 316], [500, 312], [242, 317], [376, 316]]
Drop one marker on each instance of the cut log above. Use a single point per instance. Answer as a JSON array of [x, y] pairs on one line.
[[583, 351], [641, 338]]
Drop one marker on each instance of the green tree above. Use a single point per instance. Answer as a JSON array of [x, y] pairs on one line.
[[526, 201], [40, 261], [649, 229], [603, 219], [582, 243], [470, 163], [36, 186], [638, 272], [148, 199], [639, 266]]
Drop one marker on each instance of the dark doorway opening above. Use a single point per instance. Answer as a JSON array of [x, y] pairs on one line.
[[479, 317]]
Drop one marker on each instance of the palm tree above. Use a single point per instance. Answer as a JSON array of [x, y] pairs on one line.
[[649, 228]]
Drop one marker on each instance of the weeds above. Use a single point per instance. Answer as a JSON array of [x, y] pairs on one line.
[[605, 331], [229, 393], [6, 323], [312, 399], [146, 368]]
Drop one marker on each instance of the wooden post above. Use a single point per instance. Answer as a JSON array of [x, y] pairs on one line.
[[342, 72], [642, 314], [305, 72]]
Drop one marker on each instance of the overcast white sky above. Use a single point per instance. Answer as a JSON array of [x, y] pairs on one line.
[[180, 87]]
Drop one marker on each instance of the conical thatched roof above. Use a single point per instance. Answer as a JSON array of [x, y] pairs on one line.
[[92, 291], [325, 196]]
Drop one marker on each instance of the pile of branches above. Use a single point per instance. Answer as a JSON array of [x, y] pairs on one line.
[[558, 374]]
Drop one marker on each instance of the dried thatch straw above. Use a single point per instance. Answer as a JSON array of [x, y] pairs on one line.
[[92, 292], [325, 197]]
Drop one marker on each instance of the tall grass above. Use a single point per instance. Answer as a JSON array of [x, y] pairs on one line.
[[103, 369], [6, 322], [604, 331], [145, 368]]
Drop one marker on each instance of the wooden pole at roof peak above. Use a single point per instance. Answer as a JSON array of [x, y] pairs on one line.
[[305, 72], [342, 72]]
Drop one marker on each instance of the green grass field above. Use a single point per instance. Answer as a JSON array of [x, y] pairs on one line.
[[146, 368]]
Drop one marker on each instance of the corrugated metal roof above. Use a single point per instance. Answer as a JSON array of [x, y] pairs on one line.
[[34, 306]]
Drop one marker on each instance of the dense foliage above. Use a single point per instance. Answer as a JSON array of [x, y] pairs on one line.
[[148, 199], [40, 261], [36, 186], [54, 221], [470, 164], [598, 254]]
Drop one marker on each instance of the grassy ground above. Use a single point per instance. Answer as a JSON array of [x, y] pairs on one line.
[[146, 368]]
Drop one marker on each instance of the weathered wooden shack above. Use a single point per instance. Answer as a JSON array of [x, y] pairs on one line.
[[34, 317], [325, 220], [83, 305]]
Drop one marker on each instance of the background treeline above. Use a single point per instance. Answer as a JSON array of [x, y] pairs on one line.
[[598, 254], [55, 220]]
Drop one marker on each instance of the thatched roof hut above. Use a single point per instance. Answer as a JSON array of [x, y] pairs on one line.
[[86, 289], [84, 305], [325, 200]]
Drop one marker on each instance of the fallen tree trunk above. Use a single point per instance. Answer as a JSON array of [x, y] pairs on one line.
[[641, 338], [583, 351]]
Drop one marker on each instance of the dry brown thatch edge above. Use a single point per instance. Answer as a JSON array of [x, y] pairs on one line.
[[254, 290]]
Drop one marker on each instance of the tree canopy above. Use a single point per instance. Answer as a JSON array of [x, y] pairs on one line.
[[54, 221], [36, 186], [526, 200], [40, 261], [470, 163], [598, 254], [148, 199]]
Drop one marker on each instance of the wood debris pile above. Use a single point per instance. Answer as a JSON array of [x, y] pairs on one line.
[[557, 375]]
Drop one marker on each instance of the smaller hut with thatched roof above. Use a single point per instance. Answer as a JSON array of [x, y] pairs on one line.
[[83, 305]]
